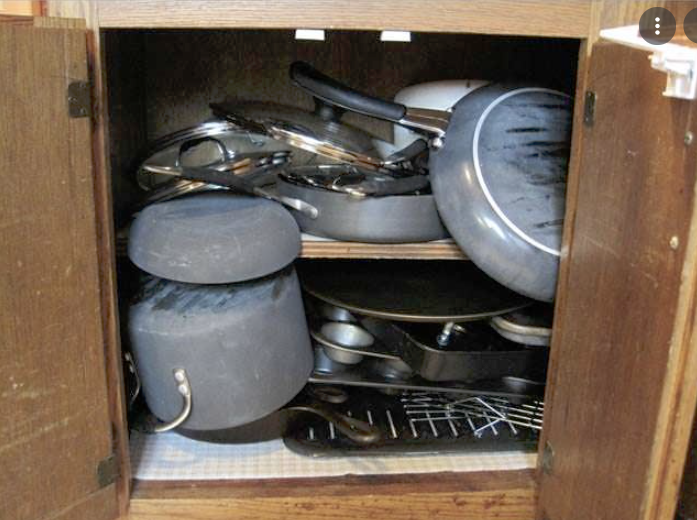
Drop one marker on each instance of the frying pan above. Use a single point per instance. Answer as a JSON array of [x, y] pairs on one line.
[[440, 292], [378, 208], [498, 166]]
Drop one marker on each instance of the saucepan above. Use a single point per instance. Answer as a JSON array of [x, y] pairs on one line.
[[498, 165], [213, 369], [377, 208]]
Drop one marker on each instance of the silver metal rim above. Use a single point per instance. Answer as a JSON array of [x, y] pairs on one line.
[[294, 137], [505, 325]]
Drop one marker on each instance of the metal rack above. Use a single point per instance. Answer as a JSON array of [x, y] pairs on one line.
[[415, 422]]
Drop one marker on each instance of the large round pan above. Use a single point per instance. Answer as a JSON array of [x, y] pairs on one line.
[[411, 291], [393, 218], [498, 169]]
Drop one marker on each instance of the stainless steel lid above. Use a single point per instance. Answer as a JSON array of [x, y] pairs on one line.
[[211, 142], [351, 180], [320, 132]]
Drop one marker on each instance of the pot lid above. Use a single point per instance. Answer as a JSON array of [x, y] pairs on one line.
[[320, 132], [213, 238], [351, 180], [211, 142]]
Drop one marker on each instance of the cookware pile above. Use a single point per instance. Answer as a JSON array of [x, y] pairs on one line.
[[219, 331]]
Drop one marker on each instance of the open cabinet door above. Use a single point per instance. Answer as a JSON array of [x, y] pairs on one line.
[[55, 431], [623, 382]]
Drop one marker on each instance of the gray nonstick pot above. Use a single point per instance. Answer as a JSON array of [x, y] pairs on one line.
[[213, 238], [498, 166], [376, 208], [218, 357]]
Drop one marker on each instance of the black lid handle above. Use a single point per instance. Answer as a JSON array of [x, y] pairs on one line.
[[332, 91]]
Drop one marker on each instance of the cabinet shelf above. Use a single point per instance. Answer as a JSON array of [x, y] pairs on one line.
[[485, 495], [316, 247]]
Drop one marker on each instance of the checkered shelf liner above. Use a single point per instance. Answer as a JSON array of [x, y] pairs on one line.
[[170, 456]]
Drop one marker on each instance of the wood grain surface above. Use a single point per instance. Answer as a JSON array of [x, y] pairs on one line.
[[77, 9], [572, 188], [614, 352], [442, 250], [506, 495], [687, 506], [53, 398], [565, 18], [106, 260], [20, 7], [617, 13]]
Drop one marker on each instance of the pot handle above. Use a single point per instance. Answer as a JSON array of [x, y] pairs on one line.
[[327, 111], [220, 178], [358, 431], [191, 143], [184, 388], [432, 122], [322, 86]]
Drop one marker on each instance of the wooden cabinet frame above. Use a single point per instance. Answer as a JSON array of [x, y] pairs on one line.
[[565, 490]]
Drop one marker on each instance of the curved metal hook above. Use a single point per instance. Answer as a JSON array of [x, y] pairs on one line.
[[184, 388]]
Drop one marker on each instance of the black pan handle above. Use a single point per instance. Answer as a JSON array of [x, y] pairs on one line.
[[322, 86]]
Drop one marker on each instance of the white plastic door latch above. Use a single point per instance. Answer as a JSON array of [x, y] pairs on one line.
[[677, 61]]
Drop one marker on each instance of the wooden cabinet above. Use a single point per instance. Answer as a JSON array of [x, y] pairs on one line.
[[621, 390]]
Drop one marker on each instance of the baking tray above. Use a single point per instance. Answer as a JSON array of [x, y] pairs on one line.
[[474, 351]]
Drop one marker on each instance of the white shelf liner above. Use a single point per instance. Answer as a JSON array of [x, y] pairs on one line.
[[170, 456]]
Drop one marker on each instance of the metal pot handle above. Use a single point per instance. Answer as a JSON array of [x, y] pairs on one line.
[[184, 388], [188, 145], [219, 178], [128, 358]]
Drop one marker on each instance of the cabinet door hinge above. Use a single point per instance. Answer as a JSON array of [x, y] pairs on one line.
[[589, 108], [107, 471], [79, 99]]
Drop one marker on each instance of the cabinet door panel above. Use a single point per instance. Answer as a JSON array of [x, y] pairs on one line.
[[55, 424], [623, 330]]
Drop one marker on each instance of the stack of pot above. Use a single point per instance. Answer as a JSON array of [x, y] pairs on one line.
[[218, 330]]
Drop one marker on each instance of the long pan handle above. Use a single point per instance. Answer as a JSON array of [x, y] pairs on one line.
[[433, 122], [358, 431], [322, 86]]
